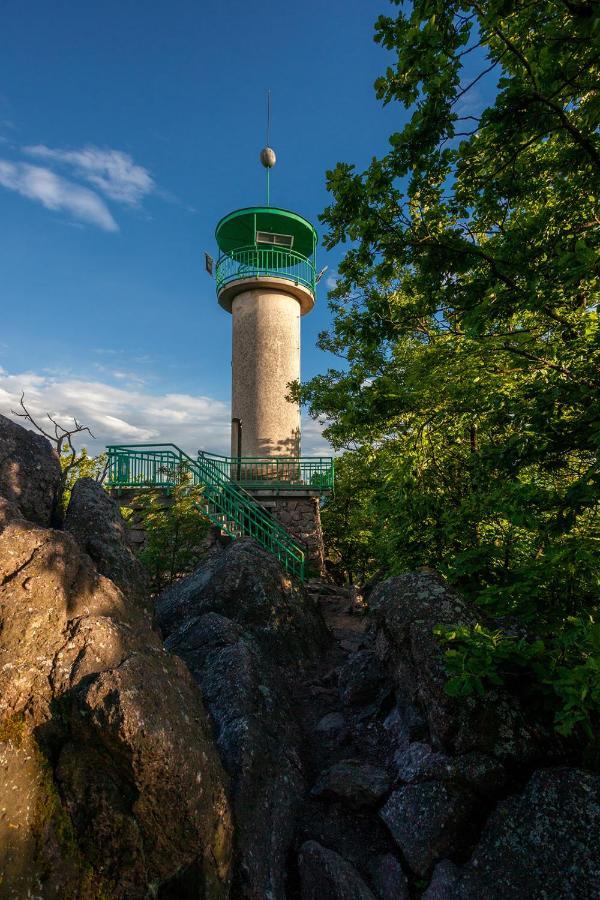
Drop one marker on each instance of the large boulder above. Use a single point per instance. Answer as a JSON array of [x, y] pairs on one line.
[[29, 472], [541, 843], [111, 777], [473, 771], [443, 881], [246, 584], [388, 878], [356, 782], [405, 611], [95, 521], [243, 627], [325, 875], [429, 821], [258, 739]]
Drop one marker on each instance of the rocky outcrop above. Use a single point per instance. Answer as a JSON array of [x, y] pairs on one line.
[[95, 521], [247, 585], [244, 629], [453, 758], [539, 843], [449, 764], [258, 740], [29, 472], [405, 611], [351, 772], [110, 779]]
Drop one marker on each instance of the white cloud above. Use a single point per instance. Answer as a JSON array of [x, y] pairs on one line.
[[121, 414], [313, 442], [331, 281], [56, 193], [472, 103], [118, 414], [112, 172]]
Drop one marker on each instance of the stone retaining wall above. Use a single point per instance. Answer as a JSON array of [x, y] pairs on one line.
[[301, 516]]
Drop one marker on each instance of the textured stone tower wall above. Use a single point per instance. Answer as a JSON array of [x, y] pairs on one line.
[[265, 358], [300, 515]]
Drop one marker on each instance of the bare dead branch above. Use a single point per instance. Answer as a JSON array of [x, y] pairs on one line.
[[61, 434]]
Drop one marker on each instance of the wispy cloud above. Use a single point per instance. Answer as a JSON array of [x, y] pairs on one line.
[[6, 126], [332, 280], [121, 376], [56, 193], [313, 442], [472, 103], [117, 413], [132, 414], [112, 172]]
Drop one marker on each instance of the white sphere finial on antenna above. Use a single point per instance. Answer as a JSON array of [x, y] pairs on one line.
[[267, 157]]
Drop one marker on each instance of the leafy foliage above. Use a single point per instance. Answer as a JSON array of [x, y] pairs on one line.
[[467, 316], [175, 531], [80, 465]]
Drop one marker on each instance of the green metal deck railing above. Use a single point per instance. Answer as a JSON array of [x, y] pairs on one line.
[[253, 262], [228, 505], [290, 473]]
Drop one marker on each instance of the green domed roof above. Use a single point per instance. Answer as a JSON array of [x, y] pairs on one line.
[[239, 229]]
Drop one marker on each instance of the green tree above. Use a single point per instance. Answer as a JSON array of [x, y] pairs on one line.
[[467, 316], [175, 528]]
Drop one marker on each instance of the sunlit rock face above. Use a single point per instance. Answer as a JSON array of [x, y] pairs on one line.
[[109, 776], [29, 472], [95, 521]]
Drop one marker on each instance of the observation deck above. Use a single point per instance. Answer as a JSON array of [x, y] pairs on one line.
[[265, 246]]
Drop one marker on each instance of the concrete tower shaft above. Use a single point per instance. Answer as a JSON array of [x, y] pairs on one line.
[[265, 359]]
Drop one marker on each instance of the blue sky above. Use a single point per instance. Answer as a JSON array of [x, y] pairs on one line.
[[126, 131]]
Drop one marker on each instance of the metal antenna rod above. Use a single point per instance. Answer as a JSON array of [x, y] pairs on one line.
[[268, 145], [267, 154], [268, 116]]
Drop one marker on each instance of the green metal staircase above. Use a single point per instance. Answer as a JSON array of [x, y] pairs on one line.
[[226, 503]]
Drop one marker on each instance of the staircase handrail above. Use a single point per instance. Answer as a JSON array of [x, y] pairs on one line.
[[229, 498]]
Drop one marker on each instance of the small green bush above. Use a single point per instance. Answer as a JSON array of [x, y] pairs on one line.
[[175, 532]]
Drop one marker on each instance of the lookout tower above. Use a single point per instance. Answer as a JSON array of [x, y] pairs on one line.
[[266, 280], [265, 490]]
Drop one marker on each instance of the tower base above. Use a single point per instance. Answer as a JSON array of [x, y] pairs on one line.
[[300, 514]]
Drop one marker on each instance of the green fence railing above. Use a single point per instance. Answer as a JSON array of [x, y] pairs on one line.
[[290, 473], [228, 505], [253, 262]]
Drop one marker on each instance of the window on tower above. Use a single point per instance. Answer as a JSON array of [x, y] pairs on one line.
[[275, 240]]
